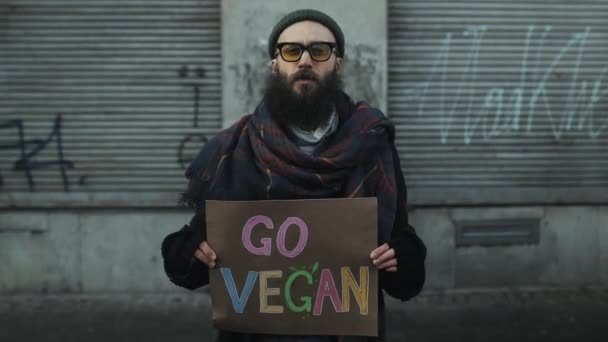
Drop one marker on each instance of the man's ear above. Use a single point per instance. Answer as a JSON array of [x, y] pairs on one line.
[[339, 62], [274, 67]]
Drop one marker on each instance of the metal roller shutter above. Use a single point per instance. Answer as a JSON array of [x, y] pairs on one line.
[[501, 102], [106, 95]]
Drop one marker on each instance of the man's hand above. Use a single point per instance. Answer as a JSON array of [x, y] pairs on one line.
[[205, 254], [383, 258]]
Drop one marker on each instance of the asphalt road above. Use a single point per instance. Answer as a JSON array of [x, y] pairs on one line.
[[481, 315]]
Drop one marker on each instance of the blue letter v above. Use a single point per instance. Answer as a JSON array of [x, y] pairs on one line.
[[239, 302]]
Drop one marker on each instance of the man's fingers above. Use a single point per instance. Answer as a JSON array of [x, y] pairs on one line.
[[389, 254], [379, 251], [388, 264], [202, 257], [204, 246], [391, 269], [205, 254]]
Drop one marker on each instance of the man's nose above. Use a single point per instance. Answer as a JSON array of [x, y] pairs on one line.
[[305, 61]]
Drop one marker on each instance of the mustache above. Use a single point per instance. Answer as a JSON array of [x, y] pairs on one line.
[[305, 74]]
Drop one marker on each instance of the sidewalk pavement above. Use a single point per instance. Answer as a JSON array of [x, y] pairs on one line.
[[522, 315]]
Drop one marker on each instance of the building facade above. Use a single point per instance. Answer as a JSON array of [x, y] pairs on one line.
[[501, 111]]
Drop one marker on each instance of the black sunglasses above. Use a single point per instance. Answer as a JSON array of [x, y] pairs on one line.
[[292, 52]]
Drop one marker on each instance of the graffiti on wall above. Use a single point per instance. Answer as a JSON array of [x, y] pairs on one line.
[[191, 142], [29, 149], [518, 107], [362, 75], [250, 76]]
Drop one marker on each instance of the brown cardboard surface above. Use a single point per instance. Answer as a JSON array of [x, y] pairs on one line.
[[297, 251]]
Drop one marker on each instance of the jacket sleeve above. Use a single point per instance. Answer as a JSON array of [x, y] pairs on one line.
[[410, 251], [178, 248]]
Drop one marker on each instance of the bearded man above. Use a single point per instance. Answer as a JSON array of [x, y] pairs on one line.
[[306, 140]]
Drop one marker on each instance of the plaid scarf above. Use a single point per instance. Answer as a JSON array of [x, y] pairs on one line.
[[257, 159]]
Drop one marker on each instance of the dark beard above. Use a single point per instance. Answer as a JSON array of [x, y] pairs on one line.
[[308, 109]]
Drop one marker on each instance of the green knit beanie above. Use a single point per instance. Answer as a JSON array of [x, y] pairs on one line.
[[303, 15]]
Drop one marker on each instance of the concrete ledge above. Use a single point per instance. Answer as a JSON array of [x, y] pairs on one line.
[[499, 315], [201, 299]]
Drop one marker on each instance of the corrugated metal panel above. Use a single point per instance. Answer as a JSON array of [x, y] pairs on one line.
[[501, 102], [108, 95]]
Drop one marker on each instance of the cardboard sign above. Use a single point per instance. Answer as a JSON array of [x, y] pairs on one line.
[[298, 267]]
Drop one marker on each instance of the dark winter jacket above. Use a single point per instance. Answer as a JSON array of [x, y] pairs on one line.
[[186, 271]]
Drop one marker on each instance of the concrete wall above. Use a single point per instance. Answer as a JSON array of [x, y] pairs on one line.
[[572, 250], [101, 251], [246, 26], [85, 250]]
